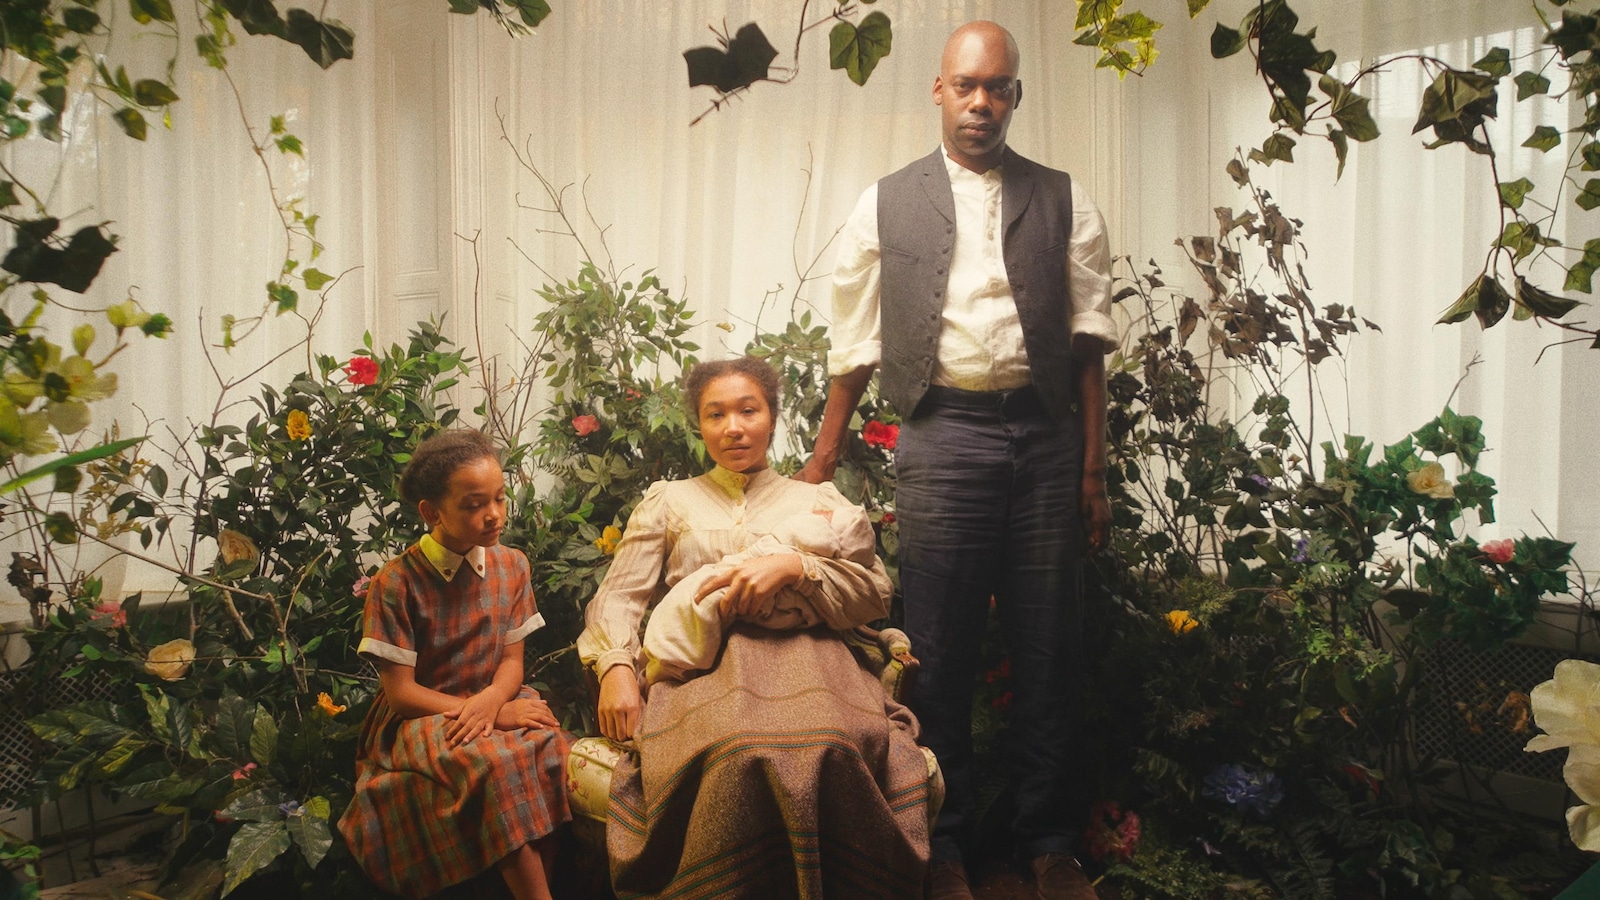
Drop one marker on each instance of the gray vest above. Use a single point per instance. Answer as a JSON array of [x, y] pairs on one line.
[[917, 231]]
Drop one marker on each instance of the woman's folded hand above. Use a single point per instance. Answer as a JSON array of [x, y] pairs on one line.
[[754, 583]]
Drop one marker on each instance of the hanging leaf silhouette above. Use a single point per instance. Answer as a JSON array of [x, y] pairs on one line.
[[738, 63], [74, 267], [857, 48], [326, 41]]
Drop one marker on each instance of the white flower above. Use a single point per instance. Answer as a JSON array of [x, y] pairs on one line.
[[170, 661], [1567, 709], [1431, 480]]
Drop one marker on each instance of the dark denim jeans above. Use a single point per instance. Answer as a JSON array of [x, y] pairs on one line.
[[987, 501]]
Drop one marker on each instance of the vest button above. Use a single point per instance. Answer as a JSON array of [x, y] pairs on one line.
[[939, 271], [933, 317]]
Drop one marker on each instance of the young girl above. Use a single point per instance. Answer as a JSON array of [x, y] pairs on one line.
[[460, 766]]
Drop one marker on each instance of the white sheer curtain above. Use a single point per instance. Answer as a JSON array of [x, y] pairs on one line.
[[1398, 237], [404, 158]]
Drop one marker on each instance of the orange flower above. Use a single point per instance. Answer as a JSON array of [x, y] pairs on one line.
[[585, 425], [608, 539], [326, 704], [298, 425], [1181, 622]]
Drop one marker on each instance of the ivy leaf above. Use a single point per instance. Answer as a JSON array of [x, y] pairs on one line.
[[532, 12], [1341, 149], [74, 266], [1279, 146], [286, 297], [1455, 105], [257, 16], [1512, 193], [254, 846], [1542, 302], [464, 7], [1496, 63], [1580, 274], [1482, 297], [1589, 197], [739, 63], [857, 49], [8, 194], [1591, 156], [315, 279], [1575, 34], [1226, 41], [326, 41], [1196, 7], [131, 122], [80, 20], [1544, 139], [144, 11], [290, 144], [1349, 109], [1530, 83], [150, 92]]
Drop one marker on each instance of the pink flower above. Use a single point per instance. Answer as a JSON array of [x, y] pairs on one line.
[[360, 587], [585, 425], [1499, 552], [110, 614], [877, 434], [243, 771], [362, 370]]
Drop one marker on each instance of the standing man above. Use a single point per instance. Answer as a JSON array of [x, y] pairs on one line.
[[979, 281]]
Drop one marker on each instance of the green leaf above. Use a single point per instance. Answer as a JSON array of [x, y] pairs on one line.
[[464, 7], [1226, 41], [8, 194], [1530, 83], [314, 279], [80, 20], [1543, 139], [131, 121], [257, 16], [146, 10], [1512, 193], [1349, 109], [857, 49], [741, 62], [1542, 302], [254, 846], [532, 12], [289, 144], [283, 295], [1455, 105], [150, 92], [159, 710], [1196, 7], [61, 528], [235, 726], [326, 41], [263, 736], [1496, 63], [1589, 197], [310, 830], [1279, 146], [259, 805]]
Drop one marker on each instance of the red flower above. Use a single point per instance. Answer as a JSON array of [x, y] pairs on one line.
[[362, 370], [877, 434], [1113, 831], [585, 425], [888, 519], [1499, 552], [1002, 702], [110, 614]]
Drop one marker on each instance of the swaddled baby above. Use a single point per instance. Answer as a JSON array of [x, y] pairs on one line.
[[684, 637]]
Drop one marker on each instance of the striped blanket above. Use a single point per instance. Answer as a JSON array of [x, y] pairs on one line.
[[784, 772]]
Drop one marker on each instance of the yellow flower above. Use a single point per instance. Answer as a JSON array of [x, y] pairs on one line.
[[299, 425], [233, 546], [1566, 707], [607, 541], [1430, 480], [170, 661], [326, 704], [1181, 622]]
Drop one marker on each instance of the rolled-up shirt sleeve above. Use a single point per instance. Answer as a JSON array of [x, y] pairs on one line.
[[611, 622], [844, 592], [855, 330], [1089, 271]]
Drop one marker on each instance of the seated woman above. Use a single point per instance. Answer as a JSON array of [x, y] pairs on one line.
[[784, 771]]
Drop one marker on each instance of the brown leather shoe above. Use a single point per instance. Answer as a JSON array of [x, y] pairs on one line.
[[1057, 876], [948, 881]]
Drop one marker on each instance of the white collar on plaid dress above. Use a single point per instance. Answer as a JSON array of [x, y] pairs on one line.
[[447, 561]]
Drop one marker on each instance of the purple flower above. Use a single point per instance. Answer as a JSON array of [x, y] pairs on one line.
[[1247, 790], [291, 809], [1302, 551], [1261, 480]]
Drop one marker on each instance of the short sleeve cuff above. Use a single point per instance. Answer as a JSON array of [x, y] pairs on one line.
[[374, 649], [847, 359], [1096, 324], [534, 623]]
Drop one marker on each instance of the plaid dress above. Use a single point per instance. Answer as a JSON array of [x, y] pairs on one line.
[[424, 816]]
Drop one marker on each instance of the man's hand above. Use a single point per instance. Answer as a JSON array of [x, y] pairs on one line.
[[815, 471], [753, 583], [475, 718], [1095, 509], [525, 712], [620, 704]]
